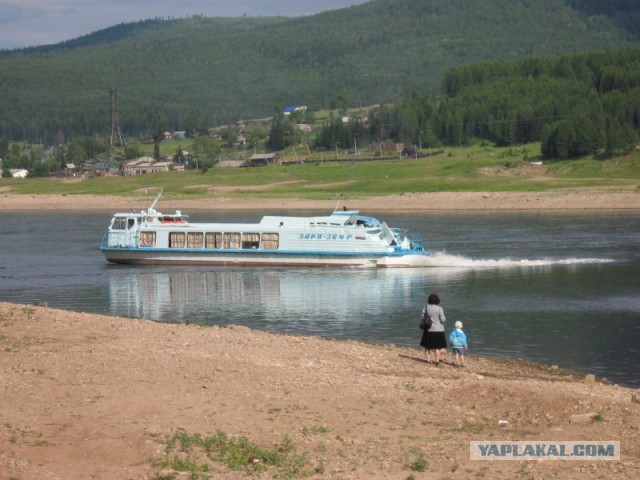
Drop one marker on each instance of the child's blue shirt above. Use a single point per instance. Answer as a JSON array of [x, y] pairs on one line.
[[458, 339]]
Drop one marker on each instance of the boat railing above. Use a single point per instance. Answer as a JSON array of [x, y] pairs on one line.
[[415, 240], [403, 236], [122, 239], [105, 241]]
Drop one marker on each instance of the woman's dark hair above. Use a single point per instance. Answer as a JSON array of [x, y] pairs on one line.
[[433, 299]]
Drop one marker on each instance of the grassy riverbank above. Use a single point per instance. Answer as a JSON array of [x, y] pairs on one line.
[[470, 169]]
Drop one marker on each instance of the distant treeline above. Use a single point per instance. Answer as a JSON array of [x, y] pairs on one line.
[[624, 13], [575, 105]]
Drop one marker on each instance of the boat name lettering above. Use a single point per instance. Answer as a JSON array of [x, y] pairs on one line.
[[324, 236]]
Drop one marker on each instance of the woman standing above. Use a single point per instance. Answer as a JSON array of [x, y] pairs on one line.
[[433, 339]]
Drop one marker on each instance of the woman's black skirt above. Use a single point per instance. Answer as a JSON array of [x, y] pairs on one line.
[[433, 340]]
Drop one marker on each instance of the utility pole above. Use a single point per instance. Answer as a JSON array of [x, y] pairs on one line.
[[116, 145]]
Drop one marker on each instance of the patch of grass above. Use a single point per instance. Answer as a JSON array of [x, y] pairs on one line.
[[598, 417], [467, 427], [315, 429], [419, 463], [4, 320], [194, 454]]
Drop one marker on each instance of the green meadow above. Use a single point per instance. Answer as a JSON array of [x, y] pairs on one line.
[[473, 168]]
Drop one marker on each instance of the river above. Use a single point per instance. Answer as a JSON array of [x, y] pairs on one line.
[[561, 288]]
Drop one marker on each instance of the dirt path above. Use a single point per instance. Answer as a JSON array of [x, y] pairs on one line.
[[580, 199]]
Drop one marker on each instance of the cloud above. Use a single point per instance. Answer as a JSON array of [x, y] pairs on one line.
[[11, 12]]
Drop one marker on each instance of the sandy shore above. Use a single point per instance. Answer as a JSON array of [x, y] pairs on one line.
[[90, 396], [583, 199]]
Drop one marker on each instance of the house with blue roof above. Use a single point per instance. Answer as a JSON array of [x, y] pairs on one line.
[[289, 110]]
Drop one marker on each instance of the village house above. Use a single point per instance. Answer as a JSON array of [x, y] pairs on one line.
[[104, 169], [178, 135], [230, 163], [135, 167], [144, 165], [261, 159], [18, 172], [70, 169], [289, 110]]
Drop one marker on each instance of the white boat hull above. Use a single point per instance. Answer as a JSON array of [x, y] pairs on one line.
[[141, 257]]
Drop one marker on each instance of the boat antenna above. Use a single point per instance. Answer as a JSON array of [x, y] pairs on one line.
[[338, 204], [151, 208]]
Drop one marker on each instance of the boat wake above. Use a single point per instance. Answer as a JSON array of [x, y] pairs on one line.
[[443, 259]]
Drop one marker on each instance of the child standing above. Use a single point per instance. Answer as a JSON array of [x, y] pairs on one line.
[[458, 341]]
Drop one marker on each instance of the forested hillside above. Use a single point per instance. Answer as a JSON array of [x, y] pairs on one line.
[[624, 13], [153, 30], [198, 72], [575, 105]]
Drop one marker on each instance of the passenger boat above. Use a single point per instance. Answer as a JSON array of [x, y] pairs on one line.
[[343, 238]]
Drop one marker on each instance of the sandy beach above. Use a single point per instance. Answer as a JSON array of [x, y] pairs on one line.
[[90, 396], [579, 199]]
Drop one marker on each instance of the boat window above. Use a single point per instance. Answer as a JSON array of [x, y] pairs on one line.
[[250, 240], [269, 241], [147, 239], [176, 239], [119, 224], [213, 240], [231, 240], [368, 222], [130, 223], [195, 239]]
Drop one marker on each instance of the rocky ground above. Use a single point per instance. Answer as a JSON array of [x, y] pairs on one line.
[[97, 397]]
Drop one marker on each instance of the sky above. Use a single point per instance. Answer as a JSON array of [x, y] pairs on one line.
[[27, 23]]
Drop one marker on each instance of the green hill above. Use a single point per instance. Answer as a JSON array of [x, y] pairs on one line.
[[199, 72]]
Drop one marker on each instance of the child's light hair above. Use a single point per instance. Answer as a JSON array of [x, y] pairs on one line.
[[458, 324]]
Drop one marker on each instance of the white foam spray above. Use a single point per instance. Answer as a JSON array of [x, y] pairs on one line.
[[443, 259]]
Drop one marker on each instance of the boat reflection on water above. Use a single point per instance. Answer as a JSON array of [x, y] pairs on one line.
[[329, 302]]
